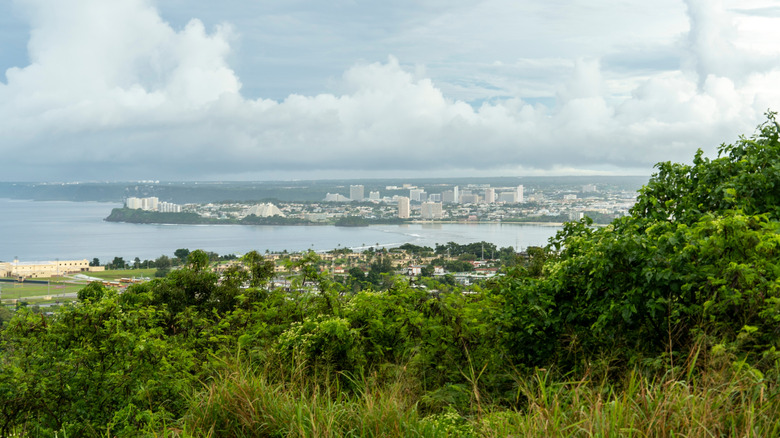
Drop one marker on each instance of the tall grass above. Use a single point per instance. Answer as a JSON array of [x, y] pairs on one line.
[[729, 402], [247, 401]]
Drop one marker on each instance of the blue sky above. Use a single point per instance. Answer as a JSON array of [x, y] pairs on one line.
[[197, 90]]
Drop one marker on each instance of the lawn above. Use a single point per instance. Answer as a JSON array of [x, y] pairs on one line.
[[123, 273], [15, 291], [62, 285]]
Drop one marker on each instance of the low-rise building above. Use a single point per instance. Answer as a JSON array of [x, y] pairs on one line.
[[45, 268]]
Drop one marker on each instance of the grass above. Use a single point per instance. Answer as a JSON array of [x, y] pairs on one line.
[[21, 290], [722, 400], [244, 401], [123, 273], [62, 285]]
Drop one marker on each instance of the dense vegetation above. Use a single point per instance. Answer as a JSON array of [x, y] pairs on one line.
[[138, 216], [663, 323]]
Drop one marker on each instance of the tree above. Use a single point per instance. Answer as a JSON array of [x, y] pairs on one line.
[[118, 263], [94, 291], [696, 260], [95, 262], [198, 260], [181, 254], [381, 265], [260, 270], [163, 264]]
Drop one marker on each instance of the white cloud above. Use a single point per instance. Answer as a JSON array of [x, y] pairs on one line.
[[114, 91]]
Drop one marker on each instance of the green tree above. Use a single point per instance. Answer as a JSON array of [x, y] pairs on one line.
[[118, 263], [181, 254], [163, 265], [697, 259]]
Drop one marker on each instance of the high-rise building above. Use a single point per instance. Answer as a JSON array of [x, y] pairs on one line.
[[356, 192], [403, 207], [520, 198], [167, 207], [456, 195], [490, 195], [373, 195], [416, 195], [469, 198], [434, 197], [448, 196], [149, 204], [133, 203], [431, 210], [508, 197]]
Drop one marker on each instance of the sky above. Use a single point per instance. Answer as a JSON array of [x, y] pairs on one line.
[[298, 89]]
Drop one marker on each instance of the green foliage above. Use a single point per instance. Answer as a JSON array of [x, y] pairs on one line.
[[352, 221], [416, 249], [479, 250], [94, 291], [181, 254], [72, 373], [698, 257]]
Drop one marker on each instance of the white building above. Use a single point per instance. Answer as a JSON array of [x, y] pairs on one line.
[[151, 204], [519, 197], [373, 195], [416, 194], [356, 193], [167, 207], [263, 210], [45, 269], [403, 207], [508, 197], [431, 210], [335, 197], [469, 198], [490, 195]]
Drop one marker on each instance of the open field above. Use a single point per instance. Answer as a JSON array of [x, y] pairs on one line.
[[12, 291], [61, 288], [123, 273]]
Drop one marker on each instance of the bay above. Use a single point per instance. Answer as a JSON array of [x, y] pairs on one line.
[[48, 230]]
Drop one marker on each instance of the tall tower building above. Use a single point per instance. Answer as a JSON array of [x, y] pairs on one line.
[[520, 199], [456, 195], [403, 207], [356, 193], [416, 194], [490, 195]]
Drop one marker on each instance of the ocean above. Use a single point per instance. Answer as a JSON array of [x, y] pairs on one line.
[[49, 230]]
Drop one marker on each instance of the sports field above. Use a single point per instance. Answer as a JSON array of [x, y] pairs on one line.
[[60, 289]]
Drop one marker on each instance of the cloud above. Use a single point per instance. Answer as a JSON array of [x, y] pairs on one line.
[[115, 92]]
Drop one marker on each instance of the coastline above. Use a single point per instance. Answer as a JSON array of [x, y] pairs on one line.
[[129, 216]]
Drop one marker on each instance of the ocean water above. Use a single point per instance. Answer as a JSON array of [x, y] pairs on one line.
[[48, 230]]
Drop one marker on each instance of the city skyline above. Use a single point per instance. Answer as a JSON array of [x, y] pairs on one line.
[[174, 90]]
